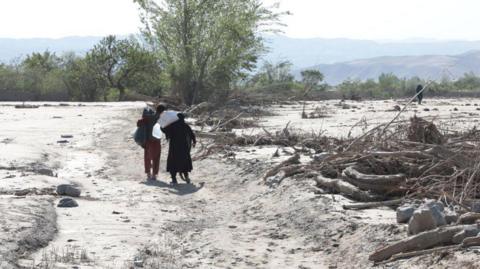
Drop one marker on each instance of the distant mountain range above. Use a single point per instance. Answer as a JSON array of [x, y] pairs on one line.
[[314, 51], [433, 67], [336, 58], [11, 49]]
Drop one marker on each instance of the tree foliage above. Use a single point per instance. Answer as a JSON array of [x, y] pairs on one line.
[[109, 69], [311, 78], [121, 64], [206, 44]]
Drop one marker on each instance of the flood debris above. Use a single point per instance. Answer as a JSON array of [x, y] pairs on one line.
[[431, 176], [26, 106]]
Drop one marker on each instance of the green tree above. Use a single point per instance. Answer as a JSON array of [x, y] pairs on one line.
[[42, 74], [8, 78], [44, 62], [311, 78], [206, 44], [469, 81], [273, 73], [121, 64], [80, 79]]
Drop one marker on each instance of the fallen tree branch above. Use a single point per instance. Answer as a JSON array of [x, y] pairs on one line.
[[471, 242], [424, 240], [373, 204], [221, 124], [378, 183], [345, 188], [412, 254], [295, 159]]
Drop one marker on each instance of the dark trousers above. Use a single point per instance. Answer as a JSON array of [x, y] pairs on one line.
[[152, 156], [420, 97]]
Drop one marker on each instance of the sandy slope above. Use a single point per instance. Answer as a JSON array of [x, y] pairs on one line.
[[227, 219], [215, 223]]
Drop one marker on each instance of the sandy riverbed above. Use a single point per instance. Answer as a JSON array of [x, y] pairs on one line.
[[227, 219]]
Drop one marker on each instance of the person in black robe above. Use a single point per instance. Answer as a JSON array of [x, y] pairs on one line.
[[181, 139], [419, 91]]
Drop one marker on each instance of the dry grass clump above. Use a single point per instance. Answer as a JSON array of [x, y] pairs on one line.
[[318, 113], [66, 255]]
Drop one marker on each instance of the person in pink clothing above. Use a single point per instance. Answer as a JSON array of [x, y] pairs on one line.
[[152, 147]]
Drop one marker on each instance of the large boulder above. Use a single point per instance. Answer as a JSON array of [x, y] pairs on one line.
[[404, 213], [68, 190], [428, 216], [437, 211], [67, 202], [422, 220]]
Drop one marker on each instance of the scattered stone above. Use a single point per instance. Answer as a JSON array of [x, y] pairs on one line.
[[67, 202], [232, 226], [68, 190], [22, 192], [427, 217], [45, 172], [423, 219], [67, 136], [62, 141], [138, 262], [437, 210], [450, 216], [455, 109], [397, 108], [476, 207], [426, 109], [404, 213], [116, 213]]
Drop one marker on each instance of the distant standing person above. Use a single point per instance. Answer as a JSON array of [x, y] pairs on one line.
[[152, 147], [181, 138], [419, 91]]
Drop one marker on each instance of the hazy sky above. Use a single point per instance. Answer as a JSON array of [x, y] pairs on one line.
[[360, 19]]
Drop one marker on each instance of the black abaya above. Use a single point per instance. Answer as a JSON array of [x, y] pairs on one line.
[[180, 137]]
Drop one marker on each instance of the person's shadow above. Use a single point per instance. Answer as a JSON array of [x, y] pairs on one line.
[[179, 189]]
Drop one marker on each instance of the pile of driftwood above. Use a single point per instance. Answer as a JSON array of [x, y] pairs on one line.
[[389, 164], [416, 162], [410, 160]]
